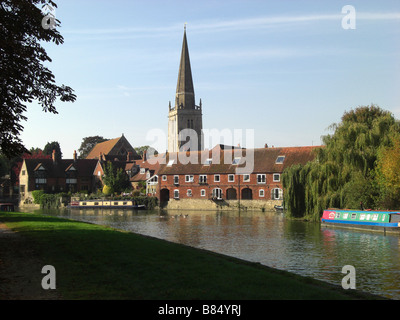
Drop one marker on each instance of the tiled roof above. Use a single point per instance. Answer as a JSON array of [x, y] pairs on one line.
[[264, 160], [84, 167], [102, 148]]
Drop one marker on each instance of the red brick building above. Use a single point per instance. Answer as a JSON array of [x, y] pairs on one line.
[[213, 174]]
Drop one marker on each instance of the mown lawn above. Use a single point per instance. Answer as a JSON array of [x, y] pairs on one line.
[[97, 262]]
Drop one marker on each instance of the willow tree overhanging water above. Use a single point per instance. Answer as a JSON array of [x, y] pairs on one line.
[[343, 174]]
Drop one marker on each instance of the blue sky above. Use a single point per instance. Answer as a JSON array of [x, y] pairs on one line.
[[285, 69]]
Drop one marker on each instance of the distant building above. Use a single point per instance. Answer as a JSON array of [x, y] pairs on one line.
[[214, 175], [185, 114], [56, 175], [118, 148]]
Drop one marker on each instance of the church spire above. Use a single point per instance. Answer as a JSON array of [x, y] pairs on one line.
[[184, 90]]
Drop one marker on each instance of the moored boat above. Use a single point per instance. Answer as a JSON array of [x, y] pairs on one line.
[[106, 204], [386, 221]]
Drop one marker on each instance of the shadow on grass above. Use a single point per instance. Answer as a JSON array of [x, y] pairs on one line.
[[23, 217], [97, 262]]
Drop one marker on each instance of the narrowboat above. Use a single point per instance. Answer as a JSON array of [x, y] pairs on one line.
[[106, 204], [386, 221]]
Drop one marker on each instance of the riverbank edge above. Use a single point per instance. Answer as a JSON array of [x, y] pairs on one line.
[[305, 283]]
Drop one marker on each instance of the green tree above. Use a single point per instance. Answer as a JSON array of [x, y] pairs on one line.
[[115, 178], [88, 144], [343, 174], [5, 165], [24, 76], [388, 173], [148, 149]]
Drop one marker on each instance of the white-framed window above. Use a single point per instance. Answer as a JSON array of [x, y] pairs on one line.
[[261, 178], [189, 178], [246, 178], [261, 193], [231, 178], [277, 194], [142, 170], [176, 179], [217, 193], [277, 177], [217, 178], [176, 194], [203, 192], [164, 178], [208, 161], [203, 178], [189, 193]]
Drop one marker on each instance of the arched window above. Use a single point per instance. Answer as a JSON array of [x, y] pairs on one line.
[[217, 193], [277, 194]]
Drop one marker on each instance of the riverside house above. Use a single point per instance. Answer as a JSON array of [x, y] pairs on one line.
[[55, 175], [211, 177]]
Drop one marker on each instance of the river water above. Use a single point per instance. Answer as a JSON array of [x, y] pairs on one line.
[[268, 238]]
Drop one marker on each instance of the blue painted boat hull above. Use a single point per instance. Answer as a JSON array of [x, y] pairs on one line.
[[388, 222]]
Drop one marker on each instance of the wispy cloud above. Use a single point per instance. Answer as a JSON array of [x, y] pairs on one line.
[[230, 25]]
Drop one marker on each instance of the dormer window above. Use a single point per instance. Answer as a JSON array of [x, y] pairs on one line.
[[170, 163], [280, 160], [142, 170], [208, 162], [236, 161]]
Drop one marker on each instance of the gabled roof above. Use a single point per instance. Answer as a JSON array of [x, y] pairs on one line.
[[102, 148], [109, 149], [84, 167]]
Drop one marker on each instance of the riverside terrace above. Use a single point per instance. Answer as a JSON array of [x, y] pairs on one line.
[[225, 174]]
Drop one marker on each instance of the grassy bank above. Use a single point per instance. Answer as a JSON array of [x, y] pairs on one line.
[[97, 262]]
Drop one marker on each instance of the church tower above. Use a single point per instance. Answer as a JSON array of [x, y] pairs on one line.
[[185, 114]]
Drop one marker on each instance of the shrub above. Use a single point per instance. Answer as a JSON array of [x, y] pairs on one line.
[[37, 196]]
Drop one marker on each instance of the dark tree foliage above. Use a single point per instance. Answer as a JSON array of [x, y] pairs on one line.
[[24, 77], [50, 146]]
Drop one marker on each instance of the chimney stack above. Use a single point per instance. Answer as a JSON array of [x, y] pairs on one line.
[[74, 155], [53, 155], [144, 155], [266, 146]]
